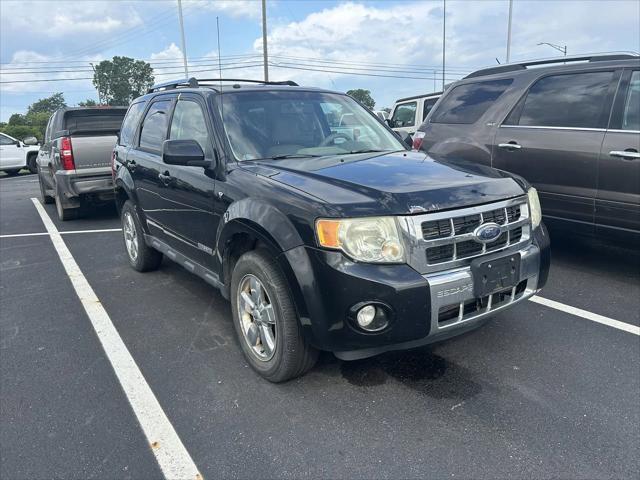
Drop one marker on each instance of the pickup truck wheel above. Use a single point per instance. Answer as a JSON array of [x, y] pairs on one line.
[[141, 256], [265, 319], [65, 214], [43, 192], [31, 163]]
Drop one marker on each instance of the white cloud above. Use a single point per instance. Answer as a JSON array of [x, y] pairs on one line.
[[64, 19], [234, 8], [410, 35]]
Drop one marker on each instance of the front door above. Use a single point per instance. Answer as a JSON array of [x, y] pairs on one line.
[[552, 138], [11, 155], [618, 197], [189, 194]]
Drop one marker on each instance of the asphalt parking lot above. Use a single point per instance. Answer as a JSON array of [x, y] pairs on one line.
[[536, 393]]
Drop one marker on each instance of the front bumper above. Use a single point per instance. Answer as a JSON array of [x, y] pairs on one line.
[[96, 182], [425, 308]]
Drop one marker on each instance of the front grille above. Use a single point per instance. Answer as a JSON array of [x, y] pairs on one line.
[[448, 237]]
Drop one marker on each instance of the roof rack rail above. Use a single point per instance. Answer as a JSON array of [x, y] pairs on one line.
[[195, 83], [512, 67]]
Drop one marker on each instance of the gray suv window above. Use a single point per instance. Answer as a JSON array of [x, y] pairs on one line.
[[465, 104], [569, 100], [128, 130], [154, 128], [631, 114]]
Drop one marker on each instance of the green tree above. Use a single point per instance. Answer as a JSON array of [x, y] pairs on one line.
[[122, 79], [22, 131], [47, 105], [88, 103], [17, 119], [363, 96]]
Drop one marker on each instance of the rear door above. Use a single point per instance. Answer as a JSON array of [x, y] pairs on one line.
[[11, 155], [618, 197], [553, 136], [145, 164]]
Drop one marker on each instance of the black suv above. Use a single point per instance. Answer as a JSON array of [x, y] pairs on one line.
[[323, 236], [570, 126]]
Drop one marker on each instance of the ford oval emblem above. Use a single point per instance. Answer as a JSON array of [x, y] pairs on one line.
[[487, 232]]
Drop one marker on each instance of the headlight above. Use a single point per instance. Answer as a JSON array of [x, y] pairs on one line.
[[373, 239], [534, 207]]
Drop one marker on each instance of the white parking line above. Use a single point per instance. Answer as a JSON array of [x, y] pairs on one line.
[[173, 458], [594, 317], [37, 234]]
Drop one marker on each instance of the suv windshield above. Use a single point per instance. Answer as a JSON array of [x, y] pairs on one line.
[[279, 124]]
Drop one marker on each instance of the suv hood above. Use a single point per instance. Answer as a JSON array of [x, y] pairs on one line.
[[391, 184]]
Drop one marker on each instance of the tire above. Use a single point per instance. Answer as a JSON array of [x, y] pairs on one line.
[[291, 356], [48, 199], [65, 214], [145, 258], [32, 165]]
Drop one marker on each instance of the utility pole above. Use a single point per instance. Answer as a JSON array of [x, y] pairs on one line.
[[265, 58], [444, 31], [509, 31], [184, 45]]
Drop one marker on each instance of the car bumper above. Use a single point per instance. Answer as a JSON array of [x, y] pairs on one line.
[[423, 308], [90, 181]]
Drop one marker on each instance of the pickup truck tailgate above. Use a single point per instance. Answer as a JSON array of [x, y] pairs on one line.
[[92, 151]]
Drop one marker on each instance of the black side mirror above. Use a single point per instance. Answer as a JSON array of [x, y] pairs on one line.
[[183, 152], [407, 139], [390, 123]]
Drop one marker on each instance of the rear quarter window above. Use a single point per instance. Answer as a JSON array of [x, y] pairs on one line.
[[465, 104]]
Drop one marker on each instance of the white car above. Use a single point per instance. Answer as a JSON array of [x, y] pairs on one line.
[[409, 113], [16, 155]]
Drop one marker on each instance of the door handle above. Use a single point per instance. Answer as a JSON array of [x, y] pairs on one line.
[[166, 179], [630, 154], [510, 146]]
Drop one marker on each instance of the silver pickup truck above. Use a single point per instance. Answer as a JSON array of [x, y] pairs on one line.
[[74, 163]]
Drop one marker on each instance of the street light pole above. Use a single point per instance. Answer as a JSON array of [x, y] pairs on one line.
[[184, 46], [560, 48], [265, 57], [509, 31], [444, 31]]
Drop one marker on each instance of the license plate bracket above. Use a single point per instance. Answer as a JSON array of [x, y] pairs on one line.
[[491, 275]]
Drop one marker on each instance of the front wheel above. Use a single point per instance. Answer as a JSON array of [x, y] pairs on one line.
[[265, 319]]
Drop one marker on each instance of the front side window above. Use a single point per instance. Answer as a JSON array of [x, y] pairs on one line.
[[405, 115], [154, 127], [189, 123], [300, 124], [571, 100], [465, 104], [631, 113], [4, 140], [127, 132]]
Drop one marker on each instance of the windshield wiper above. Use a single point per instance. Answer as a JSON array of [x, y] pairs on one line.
[[291, 155], [368, 150]]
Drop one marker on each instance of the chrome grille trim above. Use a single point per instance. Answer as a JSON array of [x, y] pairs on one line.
[[412, 231]]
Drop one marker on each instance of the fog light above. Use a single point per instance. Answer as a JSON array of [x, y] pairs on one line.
[[372, 317], [366, 315]]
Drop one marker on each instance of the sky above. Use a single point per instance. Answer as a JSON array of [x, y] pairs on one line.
[[392, 48]]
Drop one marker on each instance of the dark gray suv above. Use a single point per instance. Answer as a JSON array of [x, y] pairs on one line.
[[571, 127]]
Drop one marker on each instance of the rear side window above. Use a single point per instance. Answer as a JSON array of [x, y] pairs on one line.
[[465, 104], [405, 115], [571, 100], [631, 113], [428, 105], [127, 133], [154, 126]]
